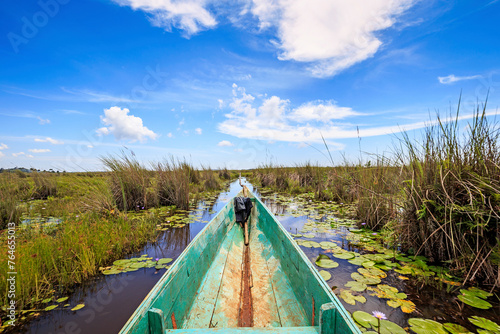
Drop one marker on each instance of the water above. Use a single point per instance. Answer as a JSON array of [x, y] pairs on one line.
[[111, 300]]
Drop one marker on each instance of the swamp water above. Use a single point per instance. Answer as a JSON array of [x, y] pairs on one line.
[[365, 276]]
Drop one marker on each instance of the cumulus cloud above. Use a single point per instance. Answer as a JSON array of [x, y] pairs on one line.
[[190, 16], [124, 126], [3, 146], [452, 78], [49, 140], [39, 150], [225, 143], [198, 131], [328, 35], [273, 119]]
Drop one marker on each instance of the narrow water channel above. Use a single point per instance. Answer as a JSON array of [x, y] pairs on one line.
[[111, 300]]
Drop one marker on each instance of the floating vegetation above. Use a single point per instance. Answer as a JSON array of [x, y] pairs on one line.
[[135, 263], [380, 271], [426, 326], [475, 297], [351, 299], [456, 329], [488, 325], [78, 307], [325, 274], [395, 298], [324, 261], [368, 321]]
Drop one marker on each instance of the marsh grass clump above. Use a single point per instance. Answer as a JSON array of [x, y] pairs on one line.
[[378, 191], [44, 185], [56, 261], [173, 180], [10, 194], [452, 206], [130, 182]]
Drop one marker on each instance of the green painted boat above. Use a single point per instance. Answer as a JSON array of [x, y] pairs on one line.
[[218, 284]]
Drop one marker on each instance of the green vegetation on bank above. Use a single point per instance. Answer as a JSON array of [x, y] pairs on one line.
[[439, 198], [68, 225]]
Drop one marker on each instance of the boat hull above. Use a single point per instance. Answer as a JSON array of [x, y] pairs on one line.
[[202, 291]]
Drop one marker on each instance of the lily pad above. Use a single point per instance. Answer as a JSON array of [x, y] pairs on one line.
[[358, 261], [328, 244], [60, 300], [456, 329], [365, 319], [78, 307], [407, 306], [485, 324], [309, 235], [351, 299], [345, 255], [121, 262], [50, 308], [325, 274], [388, 327], [366, 280], [310, 244], [165, 260], [475, 301], [476, 292], [356, 286], [426, 326], [324, 261], [368, 264]]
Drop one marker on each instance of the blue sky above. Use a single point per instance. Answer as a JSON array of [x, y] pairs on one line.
[[234, 83]]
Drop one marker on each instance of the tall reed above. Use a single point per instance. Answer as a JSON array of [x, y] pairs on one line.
[[130, 182], [452, 206], [46, 262], [173, 179]]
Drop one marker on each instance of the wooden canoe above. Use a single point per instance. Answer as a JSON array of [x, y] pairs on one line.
[[220, 285]]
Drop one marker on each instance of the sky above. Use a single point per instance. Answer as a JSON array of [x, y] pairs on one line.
[[236, 84]]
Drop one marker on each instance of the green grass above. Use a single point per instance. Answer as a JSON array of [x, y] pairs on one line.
[[96, 228], [71, 254]]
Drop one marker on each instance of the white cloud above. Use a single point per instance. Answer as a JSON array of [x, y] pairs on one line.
[[198, 131], [3, 146], [39, 150], [123, 126], [272, 119], [18, 154], [321, 111], [328, 35], [29, 156], [170, 135], [452, 78], [239, 150], [191, 16], [295, 126], [225, 143], [2, 154], [49, 140], [43, 121], [275, 120]]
